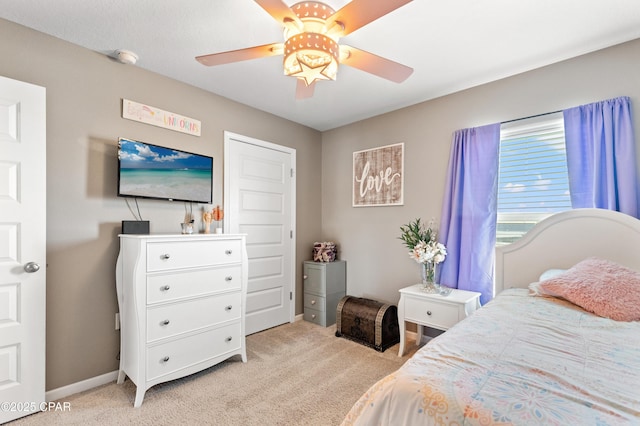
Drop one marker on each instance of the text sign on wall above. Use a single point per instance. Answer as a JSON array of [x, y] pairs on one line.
[[157, 117], [378, 177]]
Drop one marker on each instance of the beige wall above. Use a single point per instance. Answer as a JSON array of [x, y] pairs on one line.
[[377, 263], [84, 92]]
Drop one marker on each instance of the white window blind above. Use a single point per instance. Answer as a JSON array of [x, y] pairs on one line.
[[533, 181]]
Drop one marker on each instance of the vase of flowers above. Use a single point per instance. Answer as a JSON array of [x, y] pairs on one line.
[[422, 241]]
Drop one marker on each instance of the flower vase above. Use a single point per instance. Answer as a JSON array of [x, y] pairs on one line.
[[429, 277]]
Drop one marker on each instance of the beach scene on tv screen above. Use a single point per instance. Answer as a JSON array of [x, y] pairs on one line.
[[154, 171]]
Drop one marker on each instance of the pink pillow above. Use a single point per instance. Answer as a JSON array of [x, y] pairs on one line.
[[600, 286]]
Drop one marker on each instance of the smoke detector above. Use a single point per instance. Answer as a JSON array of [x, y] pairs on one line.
[[126, 57]]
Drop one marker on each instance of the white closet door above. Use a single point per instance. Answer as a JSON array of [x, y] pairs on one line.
[[259, 201]]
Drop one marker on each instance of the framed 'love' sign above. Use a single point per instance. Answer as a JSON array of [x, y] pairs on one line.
[[378, 176]]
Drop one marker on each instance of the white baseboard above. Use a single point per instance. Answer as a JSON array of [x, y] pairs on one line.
[[299, 317], [56, 394]]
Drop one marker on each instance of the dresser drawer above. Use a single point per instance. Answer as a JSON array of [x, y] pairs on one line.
[[315, 316], [175, 285], [314, 302], [188, 254], [169, 320], [172, 356], [424, 311]]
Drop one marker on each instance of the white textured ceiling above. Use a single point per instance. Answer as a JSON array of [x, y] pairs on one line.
[[451, 44]]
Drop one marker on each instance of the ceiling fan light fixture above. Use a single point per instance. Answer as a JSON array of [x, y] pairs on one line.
[[310, 53], [311, 56]]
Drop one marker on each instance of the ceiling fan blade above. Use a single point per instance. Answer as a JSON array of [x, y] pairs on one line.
[[374, 64], [303, 91], [359, 13], [280, 11], [241, 54]]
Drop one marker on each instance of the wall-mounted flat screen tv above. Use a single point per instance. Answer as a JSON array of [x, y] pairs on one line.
[[152, 171]]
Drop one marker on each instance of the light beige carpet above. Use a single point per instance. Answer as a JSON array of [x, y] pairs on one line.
[[296, 374]]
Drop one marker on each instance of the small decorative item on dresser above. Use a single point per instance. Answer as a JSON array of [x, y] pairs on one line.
[[217, 215], [426, 250], [207, 218], [325, 252]]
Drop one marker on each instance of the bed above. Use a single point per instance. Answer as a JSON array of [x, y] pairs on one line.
[[531, 356]]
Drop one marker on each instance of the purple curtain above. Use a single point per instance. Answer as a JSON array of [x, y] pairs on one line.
[[601, 156], [469, 211]]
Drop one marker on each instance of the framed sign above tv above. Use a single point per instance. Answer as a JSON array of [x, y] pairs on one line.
[[151, 171]]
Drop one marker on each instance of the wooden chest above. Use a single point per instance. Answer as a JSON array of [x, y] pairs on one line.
[[368, 322]]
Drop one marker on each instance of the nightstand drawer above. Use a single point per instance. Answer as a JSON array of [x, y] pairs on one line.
[[424, 311], [314, 302]]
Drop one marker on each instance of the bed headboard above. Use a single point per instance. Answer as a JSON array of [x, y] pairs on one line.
[[563, 240]]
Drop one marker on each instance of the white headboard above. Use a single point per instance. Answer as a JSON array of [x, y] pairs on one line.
[[563, 240]]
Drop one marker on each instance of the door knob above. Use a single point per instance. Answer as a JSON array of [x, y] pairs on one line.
[[31, 267]]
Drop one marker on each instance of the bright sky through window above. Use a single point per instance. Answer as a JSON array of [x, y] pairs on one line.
[[533, 182]]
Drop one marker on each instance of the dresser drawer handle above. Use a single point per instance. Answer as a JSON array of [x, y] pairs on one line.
[[313, 302], [165, 359], [313, 316], [165, 322], [165, 256], [228, 339], [229, 278], [228, 252], [228, 308], [429, 313], [166, 288], [304, 277]]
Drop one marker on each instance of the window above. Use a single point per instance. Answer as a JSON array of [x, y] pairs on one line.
[[533, 182]]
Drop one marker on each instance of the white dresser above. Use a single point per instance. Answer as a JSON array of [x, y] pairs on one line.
[[182, 301]]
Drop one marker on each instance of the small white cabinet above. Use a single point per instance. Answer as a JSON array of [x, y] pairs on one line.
[[182, 305], [433, 310], [324, 286]]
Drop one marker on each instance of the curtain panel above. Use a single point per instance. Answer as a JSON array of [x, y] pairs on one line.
[[469, 211], [601, 156]]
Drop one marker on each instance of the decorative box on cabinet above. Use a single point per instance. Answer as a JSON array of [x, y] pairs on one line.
[[324, 285], [182, 301]]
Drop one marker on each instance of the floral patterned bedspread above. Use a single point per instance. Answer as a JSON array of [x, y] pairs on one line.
[[520, 360]]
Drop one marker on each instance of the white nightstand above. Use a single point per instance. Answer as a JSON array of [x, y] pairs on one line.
[[433, 310]]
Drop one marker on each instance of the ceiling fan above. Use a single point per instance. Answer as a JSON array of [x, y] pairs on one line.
[[311, 50]]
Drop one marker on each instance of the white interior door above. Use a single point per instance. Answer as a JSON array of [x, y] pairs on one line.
[[22, 248], [259, 201]]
